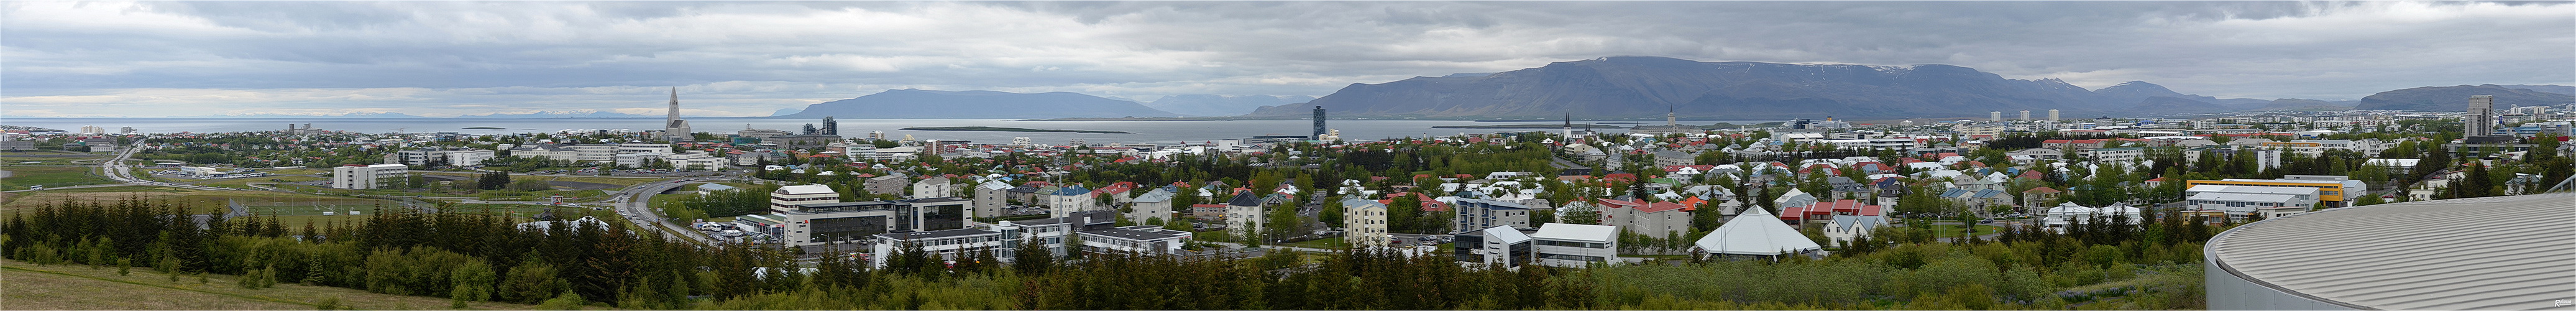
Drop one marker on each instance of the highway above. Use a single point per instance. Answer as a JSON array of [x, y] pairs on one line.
[[633, 202], [636, 204], [118, 170]]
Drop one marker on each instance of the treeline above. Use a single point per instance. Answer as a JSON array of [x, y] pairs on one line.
[[467, 257], [753, 199], [1904, 268], [475, 257]]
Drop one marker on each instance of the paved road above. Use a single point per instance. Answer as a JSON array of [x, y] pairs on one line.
[[635, 203], [121, 172]]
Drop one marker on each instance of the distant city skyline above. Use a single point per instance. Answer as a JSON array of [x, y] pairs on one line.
[[154, 59]]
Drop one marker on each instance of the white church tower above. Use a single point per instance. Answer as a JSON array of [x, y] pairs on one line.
[[674, 129]]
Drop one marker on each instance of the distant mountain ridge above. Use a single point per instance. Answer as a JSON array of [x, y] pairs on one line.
[[581, 113], [2308, 104], [1221, 105], [1645, 86], [377, 115], [2456, 98], [927, 104], [2560, 89]]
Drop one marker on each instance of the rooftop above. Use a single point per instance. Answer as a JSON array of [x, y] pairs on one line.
[[1577, 232], [2416, 255], [804, 189], [1138, 234], [941, 234]]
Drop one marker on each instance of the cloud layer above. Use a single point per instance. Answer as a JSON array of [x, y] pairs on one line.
[[751, 58]]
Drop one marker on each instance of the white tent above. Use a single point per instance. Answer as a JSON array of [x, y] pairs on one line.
[[1756, 232]]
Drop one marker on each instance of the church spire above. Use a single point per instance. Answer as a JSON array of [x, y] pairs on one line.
[[675, 104]]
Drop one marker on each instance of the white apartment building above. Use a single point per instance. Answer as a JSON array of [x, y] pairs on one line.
[[1152, 205], [932, 187], [942, 244], [1247, 210], [786, 198], [355, 176], [1095, 230], [440, 157], [990, 197], [1364, 223], [578, 153], [1575, 245], [2121, 154], [1149, 240]]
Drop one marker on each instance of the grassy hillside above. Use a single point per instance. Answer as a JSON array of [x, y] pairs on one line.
[[74, 287]]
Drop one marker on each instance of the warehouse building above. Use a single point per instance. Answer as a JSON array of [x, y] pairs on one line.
[[2241, 202]]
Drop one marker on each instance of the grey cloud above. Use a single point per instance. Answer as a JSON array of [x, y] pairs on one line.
[[781, 54]]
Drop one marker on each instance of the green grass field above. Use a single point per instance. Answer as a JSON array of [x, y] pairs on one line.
[[73, 287], [65, 159], [50, 176], [244, 183], [1324, 243], [197, 201], [124, 188]]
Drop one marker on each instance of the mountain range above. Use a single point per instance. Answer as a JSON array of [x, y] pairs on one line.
[[1641, 86], [2455, 98], [346, 115], [1221, 105], [927, 104], [580, 113]]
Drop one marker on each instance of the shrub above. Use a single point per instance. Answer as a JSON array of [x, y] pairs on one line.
[[567, 301]]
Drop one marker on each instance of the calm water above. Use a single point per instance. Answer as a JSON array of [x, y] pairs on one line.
[[1145, 131]]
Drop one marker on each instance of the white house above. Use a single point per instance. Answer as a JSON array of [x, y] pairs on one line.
[[1845, 228]]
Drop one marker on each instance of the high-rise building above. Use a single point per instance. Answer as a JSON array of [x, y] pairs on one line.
[[831, 127], [2025, 115], [808, 130], [2052, 115], [675, 129], [2481, 118], [1995, 116], [876, 135], [1319, 122]]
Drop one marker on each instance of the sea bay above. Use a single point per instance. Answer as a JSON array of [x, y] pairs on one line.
[[1144, 131]]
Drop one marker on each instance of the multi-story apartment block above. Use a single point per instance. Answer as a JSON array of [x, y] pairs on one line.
[[1364, 223], [1479, 214], [376, 176]]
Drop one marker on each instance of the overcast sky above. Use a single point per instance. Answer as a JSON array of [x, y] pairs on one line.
[[751, 58]]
